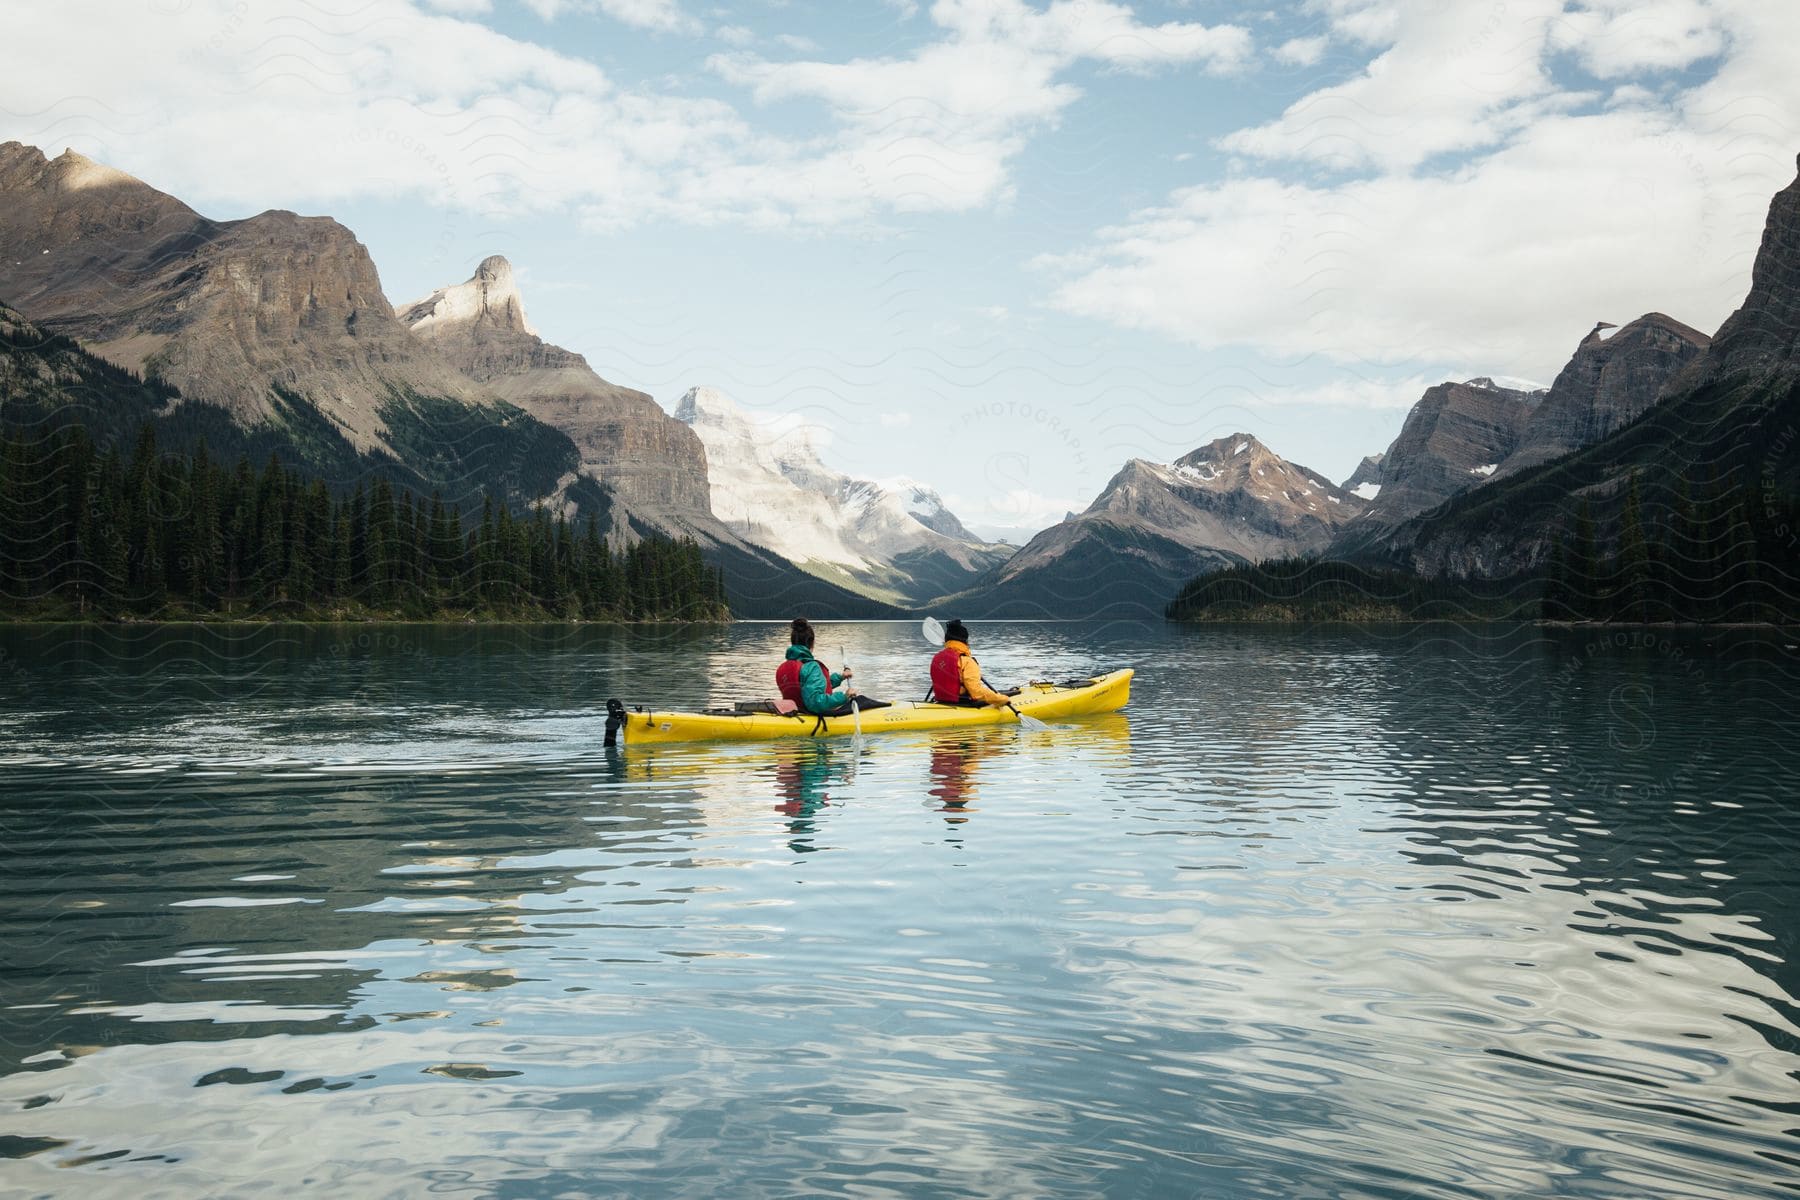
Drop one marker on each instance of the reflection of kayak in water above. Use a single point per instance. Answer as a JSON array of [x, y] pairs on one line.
[[1044, 701]]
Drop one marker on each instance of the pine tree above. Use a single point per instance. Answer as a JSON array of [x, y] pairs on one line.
[[1634, 562], [1585, 577]]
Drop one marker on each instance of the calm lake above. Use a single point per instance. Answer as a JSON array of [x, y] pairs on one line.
[[1365, 913]]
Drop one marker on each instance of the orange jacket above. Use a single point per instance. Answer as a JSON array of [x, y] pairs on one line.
[[968, 674]]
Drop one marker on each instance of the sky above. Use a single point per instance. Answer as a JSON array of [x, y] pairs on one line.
[[998, 246]]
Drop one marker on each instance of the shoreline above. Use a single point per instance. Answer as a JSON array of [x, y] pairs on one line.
[[1539, 622]]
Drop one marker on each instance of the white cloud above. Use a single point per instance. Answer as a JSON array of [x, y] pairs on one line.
[[1367, 22], [1359, 392], [1616, 37], [463, 8], [1097, 29], [287, 103], [1499, 263], [735, 35], [937, 130], [894, 420], [1301, 51], [663, 16], [1459, 77], [1017, 509]]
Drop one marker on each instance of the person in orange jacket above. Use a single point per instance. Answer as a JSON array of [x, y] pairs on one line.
[[956, 676]]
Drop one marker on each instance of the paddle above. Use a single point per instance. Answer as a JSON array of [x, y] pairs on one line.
[[933, 629], [855, 708]]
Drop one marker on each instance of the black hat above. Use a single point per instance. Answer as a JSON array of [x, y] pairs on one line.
[[956, 631]]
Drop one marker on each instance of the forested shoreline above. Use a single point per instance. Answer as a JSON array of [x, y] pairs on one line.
[[93, 534], [1722, 552]]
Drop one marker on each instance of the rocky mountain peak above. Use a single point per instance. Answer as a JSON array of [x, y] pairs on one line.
[[1260, 487], [77, 172], [1235, 456], [1616, 373], [707, 404], [1763, 336], [1454, 438], [782, 439], [489, 298], [892, 539], [1365, 481]]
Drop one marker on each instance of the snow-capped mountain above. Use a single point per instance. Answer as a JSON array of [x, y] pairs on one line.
[[1157, 525], [892, 539]]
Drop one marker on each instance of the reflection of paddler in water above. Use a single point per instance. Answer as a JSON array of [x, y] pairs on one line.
[[955, 766], [802, 777], [957, 760]]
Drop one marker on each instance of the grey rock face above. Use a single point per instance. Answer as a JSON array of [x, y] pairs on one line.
[[1454, 439], [1367, 475], [1691, 425], [1615, 374], [1231, 501], [225, 310], [652, 463], [1762, 337]]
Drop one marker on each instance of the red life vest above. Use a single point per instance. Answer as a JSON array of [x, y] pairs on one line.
[[946, 676], [787, 678]]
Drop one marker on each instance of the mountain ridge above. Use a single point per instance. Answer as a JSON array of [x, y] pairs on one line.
[[770, 485], [1155, 525]]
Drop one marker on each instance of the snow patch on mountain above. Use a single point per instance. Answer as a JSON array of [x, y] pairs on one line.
[[770, 485]]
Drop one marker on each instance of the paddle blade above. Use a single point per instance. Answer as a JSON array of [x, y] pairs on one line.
[[1028, 724], [933, 629]]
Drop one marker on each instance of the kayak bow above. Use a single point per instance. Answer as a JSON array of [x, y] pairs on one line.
[[1045, 701]]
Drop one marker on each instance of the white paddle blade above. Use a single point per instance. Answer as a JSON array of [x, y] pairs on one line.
[[933, 629]]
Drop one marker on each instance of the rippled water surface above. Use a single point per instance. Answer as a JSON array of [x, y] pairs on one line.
[[1425, 913]]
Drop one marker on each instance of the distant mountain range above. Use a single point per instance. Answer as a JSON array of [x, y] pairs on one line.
[[1157, 525], [1445, 498], [277, 326], [892, 539], [271, 335], [1720, 429]]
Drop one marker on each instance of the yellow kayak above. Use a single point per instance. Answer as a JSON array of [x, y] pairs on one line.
[[1045, 701]]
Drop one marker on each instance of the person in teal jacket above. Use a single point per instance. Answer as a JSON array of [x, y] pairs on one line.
[[812, 685]]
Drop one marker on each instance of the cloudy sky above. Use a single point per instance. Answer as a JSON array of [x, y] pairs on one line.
[[997, 245]]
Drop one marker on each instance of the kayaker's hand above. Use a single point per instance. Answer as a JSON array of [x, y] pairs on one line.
[[850, 692], [847, 673]]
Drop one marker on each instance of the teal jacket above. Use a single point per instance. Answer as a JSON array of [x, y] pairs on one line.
[[816, 693]]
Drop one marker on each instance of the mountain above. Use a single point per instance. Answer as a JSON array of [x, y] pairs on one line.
[[1717, 449], [1365, 481], [272, 335], [277, 319], [893, 541], [653, 466], [1614, 375], [926, 507], [1156, 525], [1454, 439]]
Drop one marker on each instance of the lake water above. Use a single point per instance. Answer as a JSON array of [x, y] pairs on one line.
[[1395, 913]]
